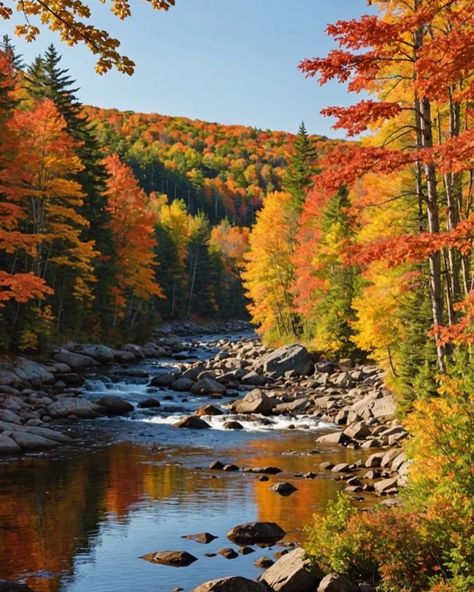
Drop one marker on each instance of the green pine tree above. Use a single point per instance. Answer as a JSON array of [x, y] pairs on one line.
[[302, 167]]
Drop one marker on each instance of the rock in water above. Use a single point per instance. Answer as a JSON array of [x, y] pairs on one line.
[[256, 532], [8, 586], [200, 537], [256, 401], [284, 488], [192, 422], [288, 358], [293, 572], [231, 584], [173, 558], [114, 405]]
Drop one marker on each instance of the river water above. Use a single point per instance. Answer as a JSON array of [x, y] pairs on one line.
[[79, 519]]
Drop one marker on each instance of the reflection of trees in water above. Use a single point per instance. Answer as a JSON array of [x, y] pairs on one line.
[[53, 509]]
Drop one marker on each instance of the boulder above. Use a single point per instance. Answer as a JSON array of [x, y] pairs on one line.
[[75, 361], [164, 379], [294, 358], [9, 378], [256, 532], [374, 460], [9, 586], [233, 425], [149, 403], [32, 371], [386, 485], [255, 401], [8, 446], [207, 386], [9, 416], [114, 405], [334, 582], [181, 384], [333, 438], [253, 378], [230, 584], [125, 357], [28, 441], [48, 433], [384, 407], [208, 410], [192, 422], [263, 562], [357, 430], [173, 558], [293, 572], [228, 553], [101, 353], [71, 406], [284, 488]]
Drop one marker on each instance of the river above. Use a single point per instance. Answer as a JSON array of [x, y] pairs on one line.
[[80, 518]]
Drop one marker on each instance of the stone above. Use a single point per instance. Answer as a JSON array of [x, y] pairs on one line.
[[192, 422], [9, 586], [200, 537], [8, 446], [228, 553], [398, 461], [101, 353], [9, 416], [385, 485], [208, 410], [253, 378], [230, 584], [256, 401], [334, 582], [293, 572], [125, 357], [294, 358], [357, 430], [149, 403], [27, 441], [173, 558], [246, 550], [263, 562], [388, 457], [333, 438], [384, 407], [182, 384], [341, 468], [256, 532], [230, 468], [30, 370], [75, 361], [164, 379], [114, 405], [216, 466], [233, 425], [374, 460], [71, 406], [283, 488], [270, 470], [48, 433], [207, 386]]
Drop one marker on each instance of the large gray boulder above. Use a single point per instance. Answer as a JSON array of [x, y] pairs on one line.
[[230, 584], [256, 532], [256, 401], [71, 406], [192, 422], [33, 372], [75, 361], [101, 353], [384, 407], [288, 358], [7, 445], [207, 386], [27, 441], [293, 572]]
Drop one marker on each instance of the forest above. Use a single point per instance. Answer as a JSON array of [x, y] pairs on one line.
[[360, 249]]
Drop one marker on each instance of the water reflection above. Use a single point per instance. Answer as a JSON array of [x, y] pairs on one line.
[[86, 517]]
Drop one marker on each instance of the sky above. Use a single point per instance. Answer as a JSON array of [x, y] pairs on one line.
[[230, 61]]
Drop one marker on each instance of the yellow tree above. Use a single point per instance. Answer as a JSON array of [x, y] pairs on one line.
[[268, 274]]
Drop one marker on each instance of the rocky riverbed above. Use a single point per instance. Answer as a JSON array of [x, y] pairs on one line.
[[214, 399]]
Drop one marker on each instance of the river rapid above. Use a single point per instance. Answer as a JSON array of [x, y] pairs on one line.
[[79, 519]]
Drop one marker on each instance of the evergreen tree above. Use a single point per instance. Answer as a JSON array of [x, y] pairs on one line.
[[301, 168], [7, 47]]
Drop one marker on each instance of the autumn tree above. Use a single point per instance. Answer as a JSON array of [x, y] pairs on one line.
[[132, 224], [72, 21]]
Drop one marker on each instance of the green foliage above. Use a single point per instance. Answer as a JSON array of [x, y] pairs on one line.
[[299, 174]]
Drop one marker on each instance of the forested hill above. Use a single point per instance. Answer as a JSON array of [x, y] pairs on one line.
[[221, 170]]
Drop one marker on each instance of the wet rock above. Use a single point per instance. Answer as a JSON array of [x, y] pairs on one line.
[[231, 468], [333, 438], [246, 550], [228, 553], [256, 532], [208, 410], [357, 431], [200, 537], [114, 405], [233, 425], [101, 353], [9, 416], [341, 468], [164, 379], [294, 358], [270, 470], [263, 478], [67, 406], [32, 371], [334, 582], [263, 562], [27, 441], [173, 558], [75, 361], [9, 586], [192, 422], [255, 401], [149, 403], [253, 378], [207, 386], [293, 572], [8, 446], [386, 485], [284, 488], [230, 584], [125, 357], [9, 378], [48, 433], [182, 384], [374, 460], [216, 466]]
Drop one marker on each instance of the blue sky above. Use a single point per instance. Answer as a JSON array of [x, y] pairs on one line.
[[232, 61]]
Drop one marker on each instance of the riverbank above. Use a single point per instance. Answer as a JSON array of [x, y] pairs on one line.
[[215, 392]]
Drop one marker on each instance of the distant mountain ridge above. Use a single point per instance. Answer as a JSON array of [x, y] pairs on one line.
[[222, 170]]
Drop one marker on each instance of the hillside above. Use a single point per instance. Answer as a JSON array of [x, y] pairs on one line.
[[223, 170]]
